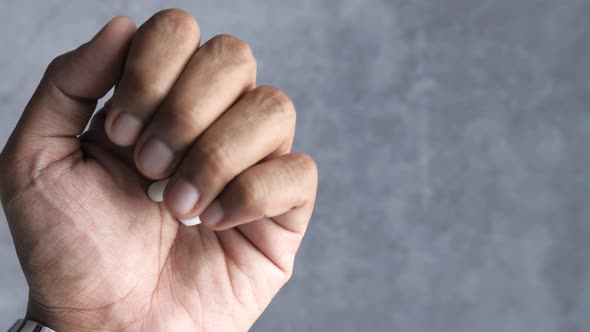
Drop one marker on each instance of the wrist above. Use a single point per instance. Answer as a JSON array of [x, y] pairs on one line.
[[35, 313], [26, 325], [60, 319]]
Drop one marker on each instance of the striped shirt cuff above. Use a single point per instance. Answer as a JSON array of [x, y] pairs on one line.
[[22, 325]]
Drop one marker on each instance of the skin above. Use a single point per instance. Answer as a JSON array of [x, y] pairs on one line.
[[97, 253]]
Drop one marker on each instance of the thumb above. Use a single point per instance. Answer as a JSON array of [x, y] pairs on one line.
[[67, 95]]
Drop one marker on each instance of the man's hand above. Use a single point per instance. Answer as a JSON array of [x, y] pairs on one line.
[[97, 253]]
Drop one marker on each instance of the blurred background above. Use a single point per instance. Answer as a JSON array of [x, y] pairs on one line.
[[452, 140]]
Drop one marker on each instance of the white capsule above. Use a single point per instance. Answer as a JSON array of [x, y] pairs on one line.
[[156, 190], [190, 221]]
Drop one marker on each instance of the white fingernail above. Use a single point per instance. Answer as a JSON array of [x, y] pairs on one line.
[[190, 221], [156, 190]]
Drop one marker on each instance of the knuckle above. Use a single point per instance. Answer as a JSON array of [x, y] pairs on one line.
[[307, 165], [216, 162], [231, 49], [142, 82], [55, 64], [250, 195], [276, 101], [306, 162], [178, 22], [178, 115]]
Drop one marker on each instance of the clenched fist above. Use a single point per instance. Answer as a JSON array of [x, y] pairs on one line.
[[97, 253]]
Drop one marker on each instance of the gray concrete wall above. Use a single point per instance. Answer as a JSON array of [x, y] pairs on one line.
[[452, 141]]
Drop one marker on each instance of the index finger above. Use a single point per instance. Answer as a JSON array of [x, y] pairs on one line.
[[159, 52]]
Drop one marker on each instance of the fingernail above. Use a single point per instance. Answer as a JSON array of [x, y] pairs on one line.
[[155, 157], [125, 129], [212, 214], [156, 190], [182, 196], [190, 221]]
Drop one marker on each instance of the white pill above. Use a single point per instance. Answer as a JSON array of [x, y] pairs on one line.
[[156, 193], [190, 221], [156, 190]]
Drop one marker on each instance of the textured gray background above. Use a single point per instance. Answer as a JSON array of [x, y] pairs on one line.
[[452, 140]]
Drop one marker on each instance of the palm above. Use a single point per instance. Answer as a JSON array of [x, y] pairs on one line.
[[106, 246]]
